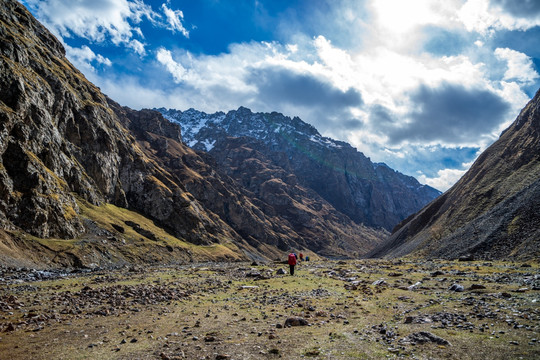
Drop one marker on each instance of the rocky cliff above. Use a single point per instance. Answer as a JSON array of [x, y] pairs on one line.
[[61, 142], [493, 212], [84, 180], [372, 194]]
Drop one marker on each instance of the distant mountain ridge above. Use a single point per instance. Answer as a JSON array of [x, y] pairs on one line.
[[492, 212], [369, 193]]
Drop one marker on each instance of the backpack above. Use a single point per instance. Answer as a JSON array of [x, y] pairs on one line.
[[292, 259]]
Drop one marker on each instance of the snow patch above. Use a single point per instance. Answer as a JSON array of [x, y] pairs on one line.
[[209, 145]]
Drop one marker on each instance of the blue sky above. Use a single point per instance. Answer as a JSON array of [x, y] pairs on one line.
[[422, 85]]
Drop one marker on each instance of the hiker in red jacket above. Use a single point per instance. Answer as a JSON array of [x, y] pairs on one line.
[[292, 263]]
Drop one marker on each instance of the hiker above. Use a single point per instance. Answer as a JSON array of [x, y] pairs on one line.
[[292, 263], [301, 256]]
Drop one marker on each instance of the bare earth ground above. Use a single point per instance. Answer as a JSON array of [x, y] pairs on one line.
[[337, 310]]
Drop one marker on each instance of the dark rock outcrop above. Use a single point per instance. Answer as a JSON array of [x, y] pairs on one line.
[[493, 211]]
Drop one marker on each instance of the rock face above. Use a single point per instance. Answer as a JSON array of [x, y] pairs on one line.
[[368, 193], [493, 212], [63, 142], [61, 139]]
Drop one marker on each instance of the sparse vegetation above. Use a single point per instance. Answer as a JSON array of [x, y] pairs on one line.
[[353, 310]]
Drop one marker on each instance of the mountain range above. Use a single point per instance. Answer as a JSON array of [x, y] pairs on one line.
[[87, 182], [369, 193]]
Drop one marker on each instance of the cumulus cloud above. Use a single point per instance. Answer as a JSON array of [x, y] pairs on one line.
[[485, 16], [174, 20], [175, 69], [520, 67], [137, 46], [428, 99], [95, 20], [452, 114], [444, 180], [326, 106], [524, 8], [280, 85], [84, 58], [101, 20]]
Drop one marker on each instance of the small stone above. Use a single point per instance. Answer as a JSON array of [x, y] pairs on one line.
[[414, 286], [476, 287], [314, 352], [423, 337], [457, 288], [295, 321]]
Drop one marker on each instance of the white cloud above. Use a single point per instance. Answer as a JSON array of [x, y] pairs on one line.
[[83, 58], [520, 67], [444, 180], [174, 20], [177, 71], [94, 20], [397, 24], [103, 20], [485, 17], [137, 46], [404, 16]]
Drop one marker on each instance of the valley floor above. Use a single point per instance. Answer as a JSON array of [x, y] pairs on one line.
[[327, 310]]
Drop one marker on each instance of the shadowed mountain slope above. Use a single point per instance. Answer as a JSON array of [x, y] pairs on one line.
[[492, 212]]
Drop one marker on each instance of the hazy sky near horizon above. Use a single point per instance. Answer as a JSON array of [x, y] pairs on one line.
[[422, 85]]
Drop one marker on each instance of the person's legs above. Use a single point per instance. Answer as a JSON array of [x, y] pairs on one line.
[[291, 269]]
